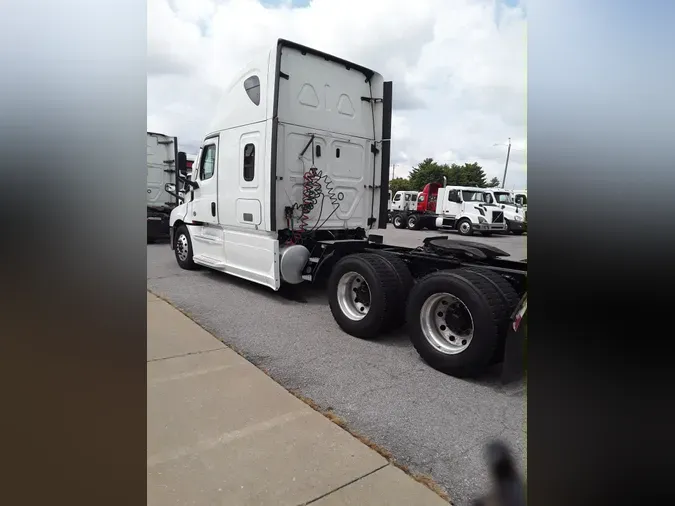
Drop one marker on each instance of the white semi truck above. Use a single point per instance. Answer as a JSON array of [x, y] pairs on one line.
[[515, 215], [520, 198], [289, 187]]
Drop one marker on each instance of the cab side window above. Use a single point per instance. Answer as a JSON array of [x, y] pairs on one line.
[[249, 162], [207, 165]]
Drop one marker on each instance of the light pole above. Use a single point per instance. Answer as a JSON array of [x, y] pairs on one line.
[[506, 165]]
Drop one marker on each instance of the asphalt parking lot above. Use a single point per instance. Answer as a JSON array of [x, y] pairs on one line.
[[431, 422]]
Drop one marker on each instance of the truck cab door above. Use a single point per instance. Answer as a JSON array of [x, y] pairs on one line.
[[396, 203], [453, 204], [205, 198]]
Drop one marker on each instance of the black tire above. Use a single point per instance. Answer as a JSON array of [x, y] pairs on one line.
[[483, 302], [432, 225], [506, 291], [413, 222], [187, 262], [405, 284], [383, 285], [517, 232], [389, 217], [398, 220], [510, 300], [462, 227]]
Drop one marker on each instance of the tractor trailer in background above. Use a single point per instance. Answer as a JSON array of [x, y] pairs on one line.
[[166, 168], [291, 185]]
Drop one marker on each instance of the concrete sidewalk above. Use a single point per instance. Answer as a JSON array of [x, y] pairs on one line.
[[220, 431]]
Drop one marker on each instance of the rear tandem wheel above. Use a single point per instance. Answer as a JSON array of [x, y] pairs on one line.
[[363, 292], [414, 222], [454, 321]]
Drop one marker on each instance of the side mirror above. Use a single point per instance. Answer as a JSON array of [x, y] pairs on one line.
[[181, 163]]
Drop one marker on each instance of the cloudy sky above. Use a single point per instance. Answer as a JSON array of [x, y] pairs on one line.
[[458, 67]]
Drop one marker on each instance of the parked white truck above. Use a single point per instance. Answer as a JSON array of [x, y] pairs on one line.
[[288, 188], [515, 215], [466, 209]]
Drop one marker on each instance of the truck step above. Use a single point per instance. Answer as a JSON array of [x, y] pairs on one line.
[[307, 277], [209, 261]]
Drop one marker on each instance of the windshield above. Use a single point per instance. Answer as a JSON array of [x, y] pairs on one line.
[[503, 197], [472, 196], [521, 200]]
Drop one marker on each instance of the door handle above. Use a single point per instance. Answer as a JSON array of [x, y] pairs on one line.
[[213, 208]]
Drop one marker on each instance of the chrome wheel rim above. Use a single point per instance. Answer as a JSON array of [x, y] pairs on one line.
[[464, 227], [397, 221], [411, 222], [447, 324], [182, 247], [353, 295]]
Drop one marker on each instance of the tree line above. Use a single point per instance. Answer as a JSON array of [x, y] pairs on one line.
[[429, 171]]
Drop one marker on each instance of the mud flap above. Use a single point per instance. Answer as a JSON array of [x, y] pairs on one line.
[[513, 367]]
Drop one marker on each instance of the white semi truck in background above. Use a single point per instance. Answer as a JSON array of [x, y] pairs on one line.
[[520, 198], [515, 215], [290, 186]]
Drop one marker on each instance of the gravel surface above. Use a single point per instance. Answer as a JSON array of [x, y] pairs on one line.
[[431, 422]]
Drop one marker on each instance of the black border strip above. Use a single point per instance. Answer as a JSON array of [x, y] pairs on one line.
[[387, 103]]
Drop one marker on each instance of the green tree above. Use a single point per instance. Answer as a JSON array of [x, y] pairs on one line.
[[399, 184], [473, 175], [426, 172], [494, 183], [455, 175], [429, 171]]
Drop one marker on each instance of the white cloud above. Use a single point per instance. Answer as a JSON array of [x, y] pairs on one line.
[[458, 67]]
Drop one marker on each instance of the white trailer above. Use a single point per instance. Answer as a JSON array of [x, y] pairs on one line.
[[290, 184], [162, 166]]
